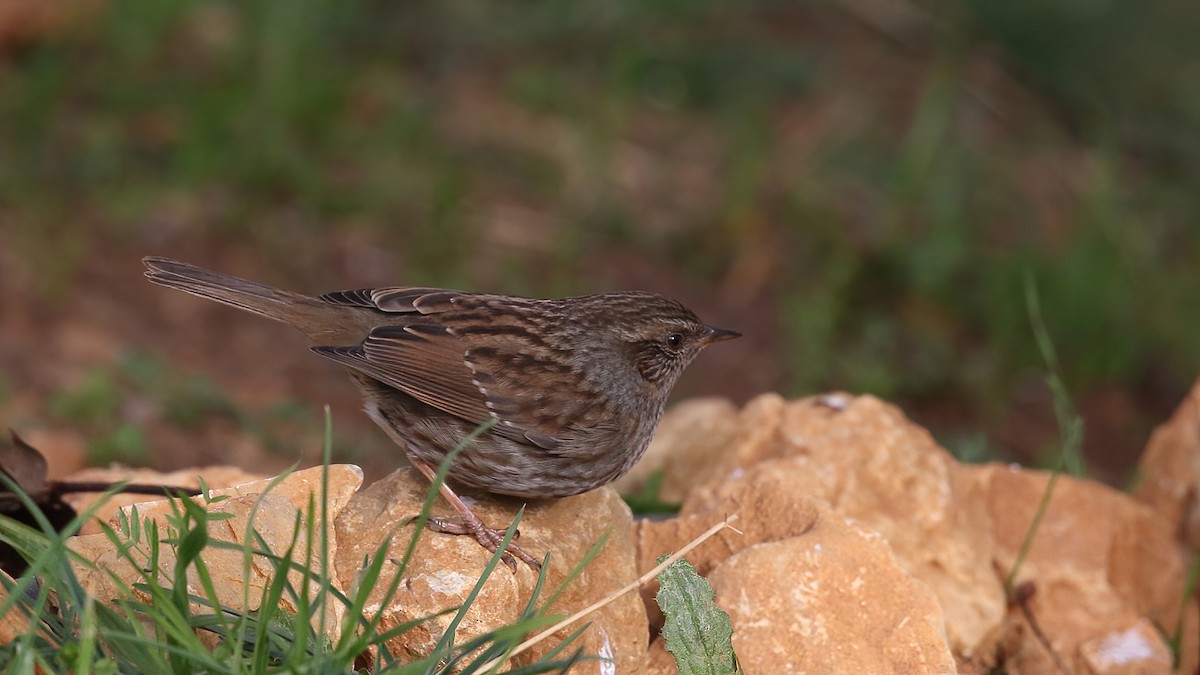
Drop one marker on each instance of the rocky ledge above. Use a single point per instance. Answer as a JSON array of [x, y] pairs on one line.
[[863, 547]]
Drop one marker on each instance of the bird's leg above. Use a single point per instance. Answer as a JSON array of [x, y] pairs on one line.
[[471, 525]]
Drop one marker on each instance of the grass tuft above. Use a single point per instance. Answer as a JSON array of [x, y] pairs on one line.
[[173, 618], [1070, 428]]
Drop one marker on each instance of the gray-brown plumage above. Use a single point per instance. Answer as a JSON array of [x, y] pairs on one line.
[[576, 385]]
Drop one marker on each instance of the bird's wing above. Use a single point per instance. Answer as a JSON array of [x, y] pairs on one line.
[[438, 356]]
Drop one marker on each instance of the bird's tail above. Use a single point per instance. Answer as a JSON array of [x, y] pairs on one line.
[[273, 303]]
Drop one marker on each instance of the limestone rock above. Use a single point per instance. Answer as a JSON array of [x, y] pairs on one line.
[[273, 517], [1104, 568], [295, 488], [1136, 650], [444, 568], [833, 601], [1102, 564], [769, 507], [215, 477], [658, 660], [866, 461], [13, 623], [1170, 470], [270, 510]]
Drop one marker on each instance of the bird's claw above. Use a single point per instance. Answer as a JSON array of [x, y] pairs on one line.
[[488, 538]]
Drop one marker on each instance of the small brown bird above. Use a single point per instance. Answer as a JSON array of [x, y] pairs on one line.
[[576, 386]]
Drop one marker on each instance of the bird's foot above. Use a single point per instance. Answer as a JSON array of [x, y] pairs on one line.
[[470, 524], [487, 537]]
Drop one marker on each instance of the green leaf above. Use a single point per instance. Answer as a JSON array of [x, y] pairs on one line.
[[697, 632]]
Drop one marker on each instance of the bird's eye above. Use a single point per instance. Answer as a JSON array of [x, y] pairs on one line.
[[674, 340]]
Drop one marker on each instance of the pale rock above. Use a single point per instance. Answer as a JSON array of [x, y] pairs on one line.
[[1100, 563], [1137, 650], [658, 660], [269, 508], [1102, 569], [1170, 470], [866, 461], [13, 623], [769, 508], [444, 569], [833, 601], [214, 476], [297, 488], [112, 577]]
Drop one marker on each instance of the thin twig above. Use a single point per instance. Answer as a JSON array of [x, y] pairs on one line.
[[631, 586], [1022, 597], [174, 491]]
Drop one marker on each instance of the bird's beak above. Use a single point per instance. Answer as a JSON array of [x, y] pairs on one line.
[[719, 335]]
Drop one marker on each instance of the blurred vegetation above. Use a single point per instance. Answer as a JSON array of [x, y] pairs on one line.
[[865, 187], [111, 404]]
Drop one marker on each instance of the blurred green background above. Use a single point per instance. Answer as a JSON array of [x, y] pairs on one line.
[[859, 187]]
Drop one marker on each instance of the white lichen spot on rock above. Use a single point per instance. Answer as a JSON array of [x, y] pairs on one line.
[[810, 628], [447, 582], [807, 587], [1128, 646]]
